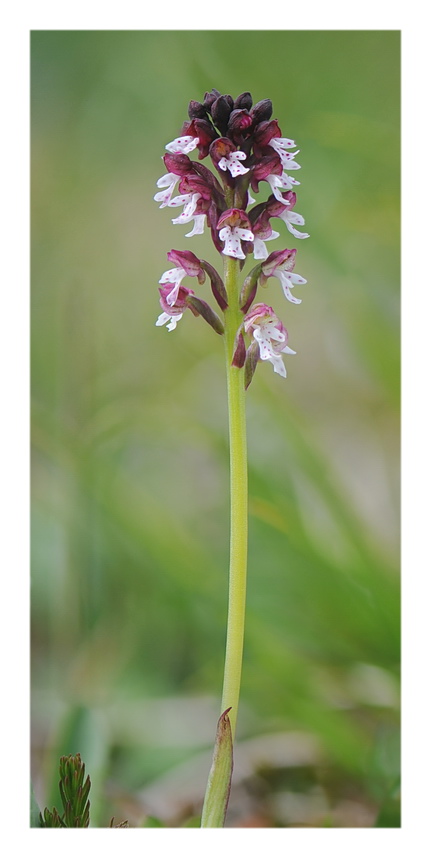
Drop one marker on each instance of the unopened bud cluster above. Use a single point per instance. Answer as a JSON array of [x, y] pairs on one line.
[[245, 147]]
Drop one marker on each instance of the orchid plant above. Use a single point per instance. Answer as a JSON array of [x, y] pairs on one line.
[[246, 147]]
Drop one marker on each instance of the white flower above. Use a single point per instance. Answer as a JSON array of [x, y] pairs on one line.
[[260, 251], [173, 276], [280, 144], [182, 145], [231, 163], [173, 320], [168, 181], [280, 264], [270, 334], [288, 280], [190, 202], [198, 227], [266, 335], [283, 181], [232, 238], [290, 218]]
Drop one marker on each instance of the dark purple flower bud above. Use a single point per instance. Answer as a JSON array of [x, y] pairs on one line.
[[203, 309], [210, 98], [238, 125], [220, 112], [262, 111], [177, 164], [243, 102], [239, 350], [190, 263], [197, 110]]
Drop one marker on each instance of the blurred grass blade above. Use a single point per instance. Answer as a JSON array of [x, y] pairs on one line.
[[220, 776], [34, 809]]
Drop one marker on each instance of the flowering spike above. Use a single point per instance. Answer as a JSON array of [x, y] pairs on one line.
[[246, 147]]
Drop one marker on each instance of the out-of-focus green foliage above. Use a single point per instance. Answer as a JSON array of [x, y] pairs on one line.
[[130, 457]]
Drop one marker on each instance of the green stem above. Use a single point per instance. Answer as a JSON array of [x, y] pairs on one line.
[[218, 787], [239, 497]]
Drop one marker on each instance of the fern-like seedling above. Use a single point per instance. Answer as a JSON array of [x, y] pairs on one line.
[[74, 796]]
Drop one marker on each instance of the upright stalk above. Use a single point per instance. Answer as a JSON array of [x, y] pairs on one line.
[[219, 780], [238, 496]]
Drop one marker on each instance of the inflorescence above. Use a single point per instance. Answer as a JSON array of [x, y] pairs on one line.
[[246, 147]]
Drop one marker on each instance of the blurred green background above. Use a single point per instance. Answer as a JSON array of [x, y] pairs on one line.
[[130, 507]]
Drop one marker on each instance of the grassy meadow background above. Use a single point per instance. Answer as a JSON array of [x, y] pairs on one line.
[[130, 508]]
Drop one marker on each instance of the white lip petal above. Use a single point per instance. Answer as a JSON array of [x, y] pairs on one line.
[[182, 145], [260, 251], [296, 279], [174, 321], [163, 318], [199, 226], [296, 232]]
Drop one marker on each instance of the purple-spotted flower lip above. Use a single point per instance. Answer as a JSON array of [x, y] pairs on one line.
[[234, 227], [182, 145], [233, 163], [270, 334]]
